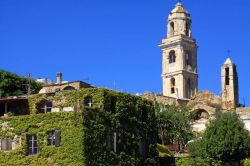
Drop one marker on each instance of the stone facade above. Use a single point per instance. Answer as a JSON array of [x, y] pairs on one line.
[[229, 84], [76, 85], [179, 60]]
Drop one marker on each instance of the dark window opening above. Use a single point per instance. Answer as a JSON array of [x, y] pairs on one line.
[[2, 109], [189, 88], [32, 145], [172, 29], [113, 105], [69, 88], [187, 59], [172, 85], [201, 114], [187, 29], [172, 57], [46, 107], [6, 144], [227, 76], [88, 102], [54, 138]]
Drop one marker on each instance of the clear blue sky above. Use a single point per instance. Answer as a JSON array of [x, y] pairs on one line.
[[118, 40]]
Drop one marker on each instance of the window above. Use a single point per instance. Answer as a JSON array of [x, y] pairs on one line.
[[32, 144], [227, 76], [6, 144], [172, 57], [189, 89], [46, 107], [54, 138], [172, 85], [187, 59], [188, 29], [88, 102], [171, 29], [69, 88]]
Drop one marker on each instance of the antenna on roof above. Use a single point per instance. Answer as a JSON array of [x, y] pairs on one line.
[[114, 85], [28, 84]]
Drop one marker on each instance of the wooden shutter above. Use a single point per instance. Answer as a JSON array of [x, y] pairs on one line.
[[4, 144], [9, 144], [57, 137]]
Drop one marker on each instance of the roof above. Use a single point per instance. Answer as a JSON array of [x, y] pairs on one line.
[[67, 83], [13, 99], [228, 62], [179, 9]]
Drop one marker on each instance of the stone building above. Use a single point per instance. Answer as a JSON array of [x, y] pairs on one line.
[[180, 75], [63, 85]]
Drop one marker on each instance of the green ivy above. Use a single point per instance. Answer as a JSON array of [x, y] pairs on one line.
[[84, 132]]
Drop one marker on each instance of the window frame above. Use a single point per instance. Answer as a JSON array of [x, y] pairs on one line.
[[47, 107], [33, 148]]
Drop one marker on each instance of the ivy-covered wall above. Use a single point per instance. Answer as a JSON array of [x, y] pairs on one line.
[[85, 132], [70, 151]]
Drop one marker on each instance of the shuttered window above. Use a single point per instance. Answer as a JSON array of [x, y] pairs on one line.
[[54, 138], [6, 144]]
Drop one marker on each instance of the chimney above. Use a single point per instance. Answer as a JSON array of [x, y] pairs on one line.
[[59, 78]]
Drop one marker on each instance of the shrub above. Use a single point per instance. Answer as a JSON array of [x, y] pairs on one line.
[[225, 139]]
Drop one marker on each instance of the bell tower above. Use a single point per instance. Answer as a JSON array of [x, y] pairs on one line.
[[229, 81], [179, 56]]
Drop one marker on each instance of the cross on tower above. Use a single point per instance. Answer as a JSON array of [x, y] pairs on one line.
[[229, 53]]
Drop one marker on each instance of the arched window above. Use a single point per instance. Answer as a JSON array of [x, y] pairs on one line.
[[172, 57], [69, 88], [201, 114], [172, 85], [171, 29]]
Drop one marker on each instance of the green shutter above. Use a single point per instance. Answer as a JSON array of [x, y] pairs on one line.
[[57, 137]]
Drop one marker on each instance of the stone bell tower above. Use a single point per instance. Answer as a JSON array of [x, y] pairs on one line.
[[179, 56], [229, 82]]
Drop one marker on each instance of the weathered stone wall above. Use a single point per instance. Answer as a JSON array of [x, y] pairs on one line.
[[59, 87]]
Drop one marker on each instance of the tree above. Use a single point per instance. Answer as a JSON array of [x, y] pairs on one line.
[[174, 124], [225, 139], [12, 84]]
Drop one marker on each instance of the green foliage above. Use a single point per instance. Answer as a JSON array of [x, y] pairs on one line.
[[163, 151], [174, 124], [193, 148], [68, 153], [132, 118], [13, 85], [84, 132], [225, 139], [246, 162], [197, 161]]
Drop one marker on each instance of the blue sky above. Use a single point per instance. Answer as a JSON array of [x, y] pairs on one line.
[[117, 41]]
